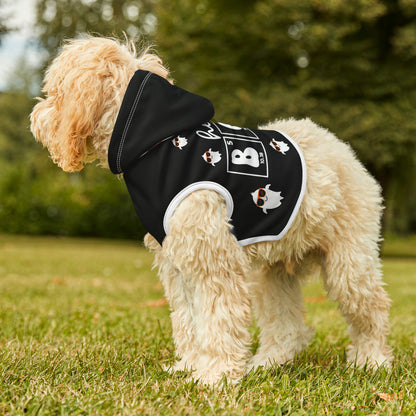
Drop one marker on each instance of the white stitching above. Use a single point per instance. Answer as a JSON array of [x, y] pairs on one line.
[[127, 126]]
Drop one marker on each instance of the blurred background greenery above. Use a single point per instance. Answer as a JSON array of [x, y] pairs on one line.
[[348, 65]]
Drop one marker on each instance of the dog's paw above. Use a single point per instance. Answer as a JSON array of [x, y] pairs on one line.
[[282, 351], [181, 365], [268, 361], [217, 379], [369, 357]]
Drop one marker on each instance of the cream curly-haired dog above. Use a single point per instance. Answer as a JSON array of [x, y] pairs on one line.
[[210, 279]]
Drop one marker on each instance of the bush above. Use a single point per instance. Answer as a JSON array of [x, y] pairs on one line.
[[90, 203]]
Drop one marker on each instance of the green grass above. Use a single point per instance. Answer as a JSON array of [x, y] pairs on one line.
[[83, 331]]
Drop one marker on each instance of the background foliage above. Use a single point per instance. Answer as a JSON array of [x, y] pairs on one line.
[[347, 65]]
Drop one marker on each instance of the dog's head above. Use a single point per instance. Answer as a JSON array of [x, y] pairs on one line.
[[84, 87]]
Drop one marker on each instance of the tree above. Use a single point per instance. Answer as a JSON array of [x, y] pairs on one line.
[[4, 28], [348, 65], [36, 197], [61, 19]]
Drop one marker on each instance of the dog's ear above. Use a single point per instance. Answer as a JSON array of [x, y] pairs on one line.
[[83, 90], [67, 116], [84, 87]]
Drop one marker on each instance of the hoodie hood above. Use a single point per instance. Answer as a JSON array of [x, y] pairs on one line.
[[152, 111]]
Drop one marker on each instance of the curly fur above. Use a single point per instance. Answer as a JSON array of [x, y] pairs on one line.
[[84, 88], [211, 282]]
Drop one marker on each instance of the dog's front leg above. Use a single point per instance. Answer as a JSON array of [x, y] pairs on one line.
[[180, 294], [213, 267]]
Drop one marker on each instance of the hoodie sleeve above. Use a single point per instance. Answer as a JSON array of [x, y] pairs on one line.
[[152, 110]]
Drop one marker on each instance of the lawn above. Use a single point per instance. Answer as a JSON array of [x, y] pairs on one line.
[[84, 329]]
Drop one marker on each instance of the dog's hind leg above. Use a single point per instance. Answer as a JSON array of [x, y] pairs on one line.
[[351, 265], [213, 267], [352, 277], [278, 306]]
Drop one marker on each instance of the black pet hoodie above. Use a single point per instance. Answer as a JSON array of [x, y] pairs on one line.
[[166, 147]]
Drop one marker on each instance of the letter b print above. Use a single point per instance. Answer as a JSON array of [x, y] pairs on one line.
[[248, 157]]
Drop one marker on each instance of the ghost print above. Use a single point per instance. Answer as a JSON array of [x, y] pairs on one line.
[[212, 157], [265, 198], [180, 142], [279, 146]]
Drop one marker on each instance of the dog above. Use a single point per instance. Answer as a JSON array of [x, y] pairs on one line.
[[213, 282]]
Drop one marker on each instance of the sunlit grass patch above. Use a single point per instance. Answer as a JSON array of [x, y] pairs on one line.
[[84, 329]]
